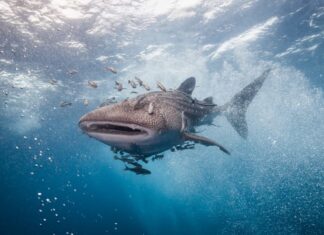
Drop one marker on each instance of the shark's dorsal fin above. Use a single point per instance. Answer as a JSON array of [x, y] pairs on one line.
[[208, 100], [203, 140], [188, 86]]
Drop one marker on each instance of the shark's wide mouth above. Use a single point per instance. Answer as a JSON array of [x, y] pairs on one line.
[[112, 128]]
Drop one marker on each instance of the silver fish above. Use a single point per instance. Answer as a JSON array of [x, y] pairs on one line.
[[65, 103], [93, 84], [111, 69], [139, 81], [162, 88], [132, 83]]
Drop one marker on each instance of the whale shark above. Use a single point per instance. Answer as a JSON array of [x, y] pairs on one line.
[[156, 121]]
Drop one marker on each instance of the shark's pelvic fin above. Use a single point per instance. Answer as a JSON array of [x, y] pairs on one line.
[[188, 86], [203, 140], [235, 110]]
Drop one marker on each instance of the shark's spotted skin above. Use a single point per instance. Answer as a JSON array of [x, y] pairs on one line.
[[156, 121]]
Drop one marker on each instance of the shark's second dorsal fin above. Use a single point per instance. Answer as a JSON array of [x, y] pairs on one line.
[[188, 86], [203, 140]]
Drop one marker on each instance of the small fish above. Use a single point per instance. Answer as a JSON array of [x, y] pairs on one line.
[[119, 86], [134, 92], [162, 88], [140, 82], [132, 83], [141, 158], [146, 87], [108, 102], [111, 69], [150, 108], [86, 102], [93, 84], [138, 170], [186, 145], [53, 82], [72, 71], [157, 157], [128, 161], [65, 103], [212, 124], [114, 149]]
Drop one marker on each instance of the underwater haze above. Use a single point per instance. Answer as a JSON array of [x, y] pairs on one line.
[[56, 180]]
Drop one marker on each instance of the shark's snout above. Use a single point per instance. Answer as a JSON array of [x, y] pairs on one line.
[[108, 128], [82, 123]]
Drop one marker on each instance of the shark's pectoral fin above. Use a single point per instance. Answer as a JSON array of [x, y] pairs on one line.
[[205, 141]]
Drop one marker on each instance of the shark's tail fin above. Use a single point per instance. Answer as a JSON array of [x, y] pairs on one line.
[[235, 109]]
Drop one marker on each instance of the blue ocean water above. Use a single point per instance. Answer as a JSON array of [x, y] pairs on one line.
[[56, 180]]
